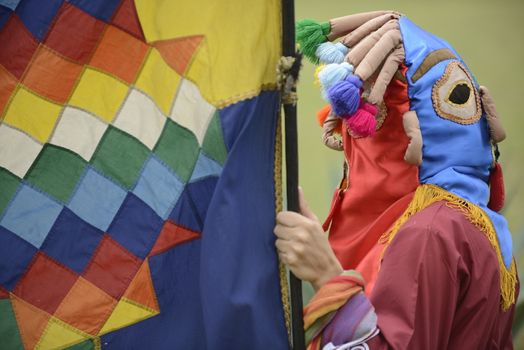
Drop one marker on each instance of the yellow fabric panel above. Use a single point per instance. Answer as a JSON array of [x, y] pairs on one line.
[[159, 81], [32, 114], [126, 313], [58, 336], [241, 48], [99, 94]]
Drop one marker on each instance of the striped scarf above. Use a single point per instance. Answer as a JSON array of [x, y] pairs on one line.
[[339, 313]]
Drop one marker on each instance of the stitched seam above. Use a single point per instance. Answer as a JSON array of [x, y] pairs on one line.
[[8, 205], [104, 316], [124, 279], [17, 316], [64, 325], [143, 307]]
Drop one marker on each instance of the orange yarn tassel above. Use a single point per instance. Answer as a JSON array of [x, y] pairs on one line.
[[323, 114]]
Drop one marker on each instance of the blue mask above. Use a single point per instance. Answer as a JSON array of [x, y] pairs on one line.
[[457, 151]]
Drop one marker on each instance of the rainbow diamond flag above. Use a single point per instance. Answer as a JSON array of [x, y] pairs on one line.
[[137, 174]]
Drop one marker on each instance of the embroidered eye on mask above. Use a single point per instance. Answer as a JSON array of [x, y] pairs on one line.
[[455, 97]]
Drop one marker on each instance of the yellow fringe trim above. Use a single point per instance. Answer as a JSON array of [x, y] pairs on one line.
[[426, 195], [282, 271]]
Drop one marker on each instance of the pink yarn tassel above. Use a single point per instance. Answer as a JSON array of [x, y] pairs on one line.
[[363, 122]]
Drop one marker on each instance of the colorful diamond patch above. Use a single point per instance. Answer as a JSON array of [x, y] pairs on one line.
[[103, 143]]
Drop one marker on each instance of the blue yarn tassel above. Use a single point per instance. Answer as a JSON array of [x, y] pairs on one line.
[[331, 53], [345, 96], [332, 74]]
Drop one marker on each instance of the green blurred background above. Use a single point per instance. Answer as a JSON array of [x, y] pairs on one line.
[[489, 35]]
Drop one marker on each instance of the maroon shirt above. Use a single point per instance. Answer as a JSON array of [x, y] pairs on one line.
[[438, 287]]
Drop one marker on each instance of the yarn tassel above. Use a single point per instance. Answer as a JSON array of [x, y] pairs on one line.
[[363, 122], [322, 114], [329, 52], [496, 191], [332, 74], [345, 95], [317, 73], [310, 34]]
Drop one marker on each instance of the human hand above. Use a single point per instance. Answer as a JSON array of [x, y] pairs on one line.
[[304, 247]]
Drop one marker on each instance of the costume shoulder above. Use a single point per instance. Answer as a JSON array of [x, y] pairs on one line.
[[449, 226]]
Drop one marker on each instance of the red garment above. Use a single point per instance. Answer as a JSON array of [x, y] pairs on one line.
[[380, 188], [438, 287]]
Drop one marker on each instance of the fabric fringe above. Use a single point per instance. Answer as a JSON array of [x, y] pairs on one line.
[[282, 270], [426, 195]]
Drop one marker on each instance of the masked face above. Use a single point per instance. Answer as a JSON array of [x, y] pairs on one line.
[[446, 100]]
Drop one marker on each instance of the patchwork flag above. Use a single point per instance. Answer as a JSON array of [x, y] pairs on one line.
[[137, 175]]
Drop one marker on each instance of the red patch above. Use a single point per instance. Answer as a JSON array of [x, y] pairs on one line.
[[18, 46], [4, 294], [7, 86], [75, 33], [45, 284], [126, 18], [172, 235], [112, 267]]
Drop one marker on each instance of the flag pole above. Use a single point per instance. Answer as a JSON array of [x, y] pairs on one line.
[[291, 141]]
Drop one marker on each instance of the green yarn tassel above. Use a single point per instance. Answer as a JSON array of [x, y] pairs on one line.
[[310, 34]]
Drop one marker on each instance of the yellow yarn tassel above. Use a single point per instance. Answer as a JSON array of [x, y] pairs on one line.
[[317, 70], [426, 195]]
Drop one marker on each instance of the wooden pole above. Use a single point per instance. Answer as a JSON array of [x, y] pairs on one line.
[[291, 141]]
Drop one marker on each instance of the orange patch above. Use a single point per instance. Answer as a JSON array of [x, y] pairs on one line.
[[141, 288], [31, 321], [86, 307], [120, 53], [7, 86], [42, 75], [178, 52]]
